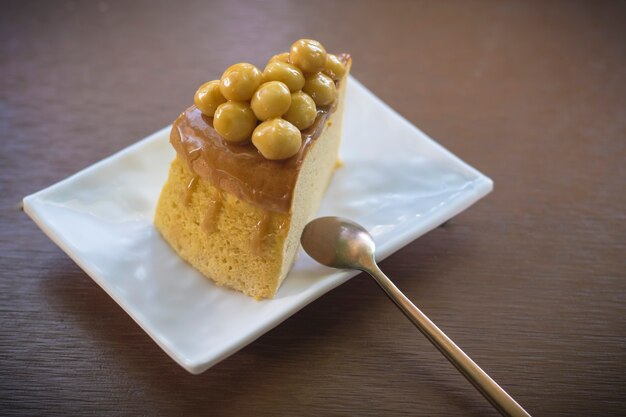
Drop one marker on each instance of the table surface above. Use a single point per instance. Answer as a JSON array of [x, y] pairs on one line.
[[530, 282]]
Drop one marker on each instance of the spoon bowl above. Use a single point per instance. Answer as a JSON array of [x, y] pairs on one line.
[[341, 243], [338, 243]]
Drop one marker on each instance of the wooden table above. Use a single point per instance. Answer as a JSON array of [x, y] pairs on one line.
[[530, 282]]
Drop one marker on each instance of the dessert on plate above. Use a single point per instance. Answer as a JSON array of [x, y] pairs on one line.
[[254, 155]]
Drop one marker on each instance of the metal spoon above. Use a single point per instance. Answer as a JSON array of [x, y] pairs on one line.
[[341, 243]]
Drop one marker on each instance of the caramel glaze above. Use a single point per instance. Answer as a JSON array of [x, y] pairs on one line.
[[191, 187], [209, 223], [240, 169], [260, 233]]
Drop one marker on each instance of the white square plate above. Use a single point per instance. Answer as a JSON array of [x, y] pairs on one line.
[[396, 181]]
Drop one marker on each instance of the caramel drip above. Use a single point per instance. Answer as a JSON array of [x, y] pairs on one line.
[[282, 226], [209, 224], [191, 187], [195, 153], [240, 169], [260, 233]]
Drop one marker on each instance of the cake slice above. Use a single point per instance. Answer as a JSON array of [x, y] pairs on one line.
[[240, 190]]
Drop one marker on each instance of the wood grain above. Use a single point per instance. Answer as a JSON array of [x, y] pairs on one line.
[[530, 282]]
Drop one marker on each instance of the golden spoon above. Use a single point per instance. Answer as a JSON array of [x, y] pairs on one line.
[[341, 243]]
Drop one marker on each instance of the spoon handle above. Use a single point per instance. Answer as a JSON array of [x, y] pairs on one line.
[[502, 401]]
